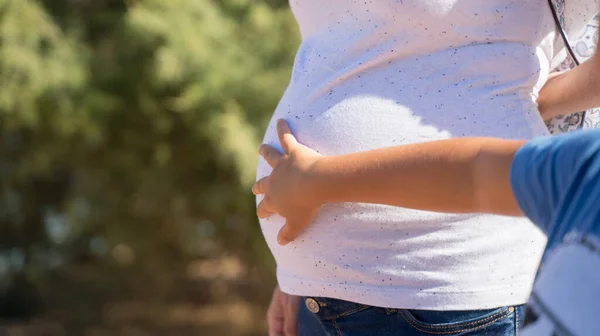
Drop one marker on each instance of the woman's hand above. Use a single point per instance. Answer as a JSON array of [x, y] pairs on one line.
[[290, 189], [282, 316]]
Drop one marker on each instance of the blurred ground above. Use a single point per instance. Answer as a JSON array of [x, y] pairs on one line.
[[215, 297]]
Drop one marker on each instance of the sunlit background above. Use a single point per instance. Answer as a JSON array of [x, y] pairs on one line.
[[129, 131]]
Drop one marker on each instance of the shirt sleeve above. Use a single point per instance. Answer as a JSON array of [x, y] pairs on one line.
[[556, 182]]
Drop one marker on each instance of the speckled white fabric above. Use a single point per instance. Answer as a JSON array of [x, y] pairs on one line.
[[372, 74]]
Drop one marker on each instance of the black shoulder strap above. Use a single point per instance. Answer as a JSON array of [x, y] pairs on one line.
[[562, 32]]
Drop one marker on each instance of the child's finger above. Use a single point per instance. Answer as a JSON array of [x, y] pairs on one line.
[[293, 226], [264, 209], [261, 186], [286, 138], [270, 154]]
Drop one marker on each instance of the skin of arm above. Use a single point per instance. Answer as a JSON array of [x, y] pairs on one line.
[[572, 91], [469, 175]]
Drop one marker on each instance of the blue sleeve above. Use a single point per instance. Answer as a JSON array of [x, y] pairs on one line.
[[556, 182]]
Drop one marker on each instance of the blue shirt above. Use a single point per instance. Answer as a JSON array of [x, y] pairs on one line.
[[556, 182]]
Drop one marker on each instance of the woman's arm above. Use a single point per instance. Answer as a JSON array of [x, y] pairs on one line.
[[466, 175], [572, 91]]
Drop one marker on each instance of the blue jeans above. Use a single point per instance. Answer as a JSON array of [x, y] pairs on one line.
[[342, 318]]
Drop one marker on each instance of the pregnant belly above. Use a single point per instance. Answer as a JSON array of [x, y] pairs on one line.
[[337, 124], [366, 122], [371, 245]]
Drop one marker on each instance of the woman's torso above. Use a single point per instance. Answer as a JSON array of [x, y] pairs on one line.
[[373, 74]]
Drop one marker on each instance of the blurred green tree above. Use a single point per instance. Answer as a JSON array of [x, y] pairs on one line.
[[132, 127]]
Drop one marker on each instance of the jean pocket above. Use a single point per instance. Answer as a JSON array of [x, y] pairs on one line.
[[495, 321]]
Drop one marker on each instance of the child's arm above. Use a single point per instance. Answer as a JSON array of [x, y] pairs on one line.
[[555, 181], [467, 175], [459, 176]]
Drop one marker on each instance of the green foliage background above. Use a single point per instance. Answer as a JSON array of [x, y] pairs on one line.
[[128, 136]]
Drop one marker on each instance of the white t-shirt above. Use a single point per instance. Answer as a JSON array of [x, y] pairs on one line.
[[372, 74]]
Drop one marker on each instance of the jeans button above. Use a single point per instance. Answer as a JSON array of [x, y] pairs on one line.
[[312, 305]]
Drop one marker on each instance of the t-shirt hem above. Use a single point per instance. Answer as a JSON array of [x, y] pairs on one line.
[[406, 298]]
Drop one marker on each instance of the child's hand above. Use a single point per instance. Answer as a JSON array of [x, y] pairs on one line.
[[290, 190]]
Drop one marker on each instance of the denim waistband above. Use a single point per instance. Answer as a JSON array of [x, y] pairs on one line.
[[335, 308]]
